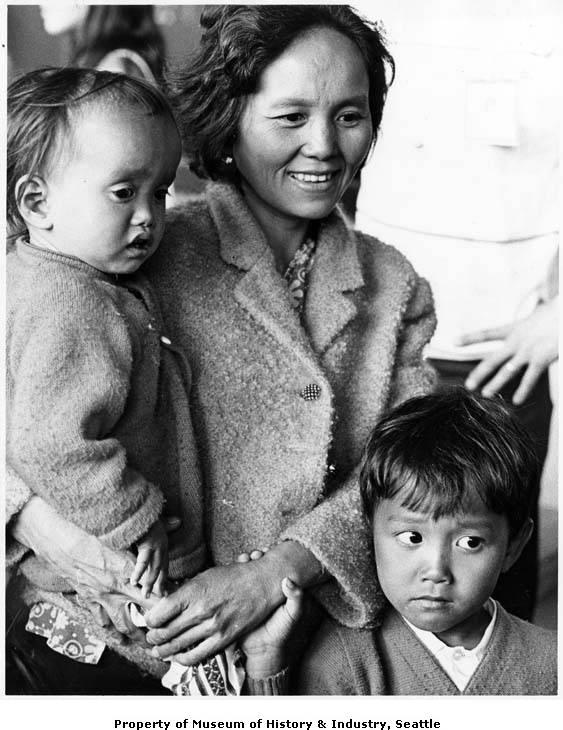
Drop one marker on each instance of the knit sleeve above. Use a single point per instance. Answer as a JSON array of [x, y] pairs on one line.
[[412, 375], [17, 494], [69, 365], [336, 531]]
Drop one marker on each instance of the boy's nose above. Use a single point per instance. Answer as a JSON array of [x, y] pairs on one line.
[[436, 566]]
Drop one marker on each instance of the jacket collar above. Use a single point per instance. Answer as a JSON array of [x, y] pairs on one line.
[[263, 292]]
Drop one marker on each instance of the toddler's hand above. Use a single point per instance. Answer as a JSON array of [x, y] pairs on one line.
[[266, 646], [152, 561]]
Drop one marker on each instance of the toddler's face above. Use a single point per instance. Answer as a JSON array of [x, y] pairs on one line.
[[106, 198], [439, 573]]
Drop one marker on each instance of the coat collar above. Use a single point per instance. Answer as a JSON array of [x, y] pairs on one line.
[[262, 291]]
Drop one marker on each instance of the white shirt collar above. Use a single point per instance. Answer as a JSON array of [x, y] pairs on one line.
[[458, 663]]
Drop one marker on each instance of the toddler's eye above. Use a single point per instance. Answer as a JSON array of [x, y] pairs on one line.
[[470, 542], [410, 537], [160, 195], [124, 193]]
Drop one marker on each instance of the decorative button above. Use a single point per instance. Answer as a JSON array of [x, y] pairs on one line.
[[165, 340], [311, 392]]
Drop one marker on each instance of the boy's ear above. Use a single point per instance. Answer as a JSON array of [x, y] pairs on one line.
[[517, 544], [31, 197]]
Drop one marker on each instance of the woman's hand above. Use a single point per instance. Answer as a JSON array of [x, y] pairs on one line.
[[529, 345], [209, 612]]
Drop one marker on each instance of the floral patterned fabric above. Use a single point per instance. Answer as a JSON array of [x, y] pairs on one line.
[[63, 634], [297, 272]]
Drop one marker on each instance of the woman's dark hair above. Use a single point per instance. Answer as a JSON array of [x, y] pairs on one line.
[[44, 107], [108, 27], [238, 43], [442, 451]]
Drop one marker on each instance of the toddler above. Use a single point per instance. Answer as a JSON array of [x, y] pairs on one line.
[[98, 420], [447, 483]]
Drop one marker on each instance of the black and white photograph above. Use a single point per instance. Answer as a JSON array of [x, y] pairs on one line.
[[281, 364]]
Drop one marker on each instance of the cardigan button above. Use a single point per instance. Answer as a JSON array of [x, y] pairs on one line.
[[165, 340], [331, 468], [311, 392]]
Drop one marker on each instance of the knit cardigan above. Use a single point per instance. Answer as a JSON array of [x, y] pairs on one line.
[[521, 659], [98, 421], [278, 463]]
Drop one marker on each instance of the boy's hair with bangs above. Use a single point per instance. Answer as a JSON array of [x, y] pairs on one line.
[[442, 451], [44, 106]]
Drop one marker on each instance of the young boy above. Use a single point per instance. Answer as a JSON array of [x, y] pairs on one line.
[[446, 485], [98, 420]]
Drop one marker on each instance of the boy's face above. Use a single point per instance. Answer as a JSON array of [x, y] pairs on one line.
[[439, 573], [105, 198]]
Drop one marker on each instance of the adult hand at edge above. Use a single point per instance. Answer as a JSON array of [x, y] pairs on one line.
[[529, 345]]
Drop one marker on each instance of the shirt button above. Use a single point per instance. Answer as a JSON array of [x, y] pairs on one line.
[[311, 392], [165, 340], [458, 654]]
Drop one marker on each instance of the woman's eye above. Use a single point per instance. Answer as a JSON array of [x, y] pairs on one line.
[[125, 193], [470, 542], [292, 119], [349, 119], [409, 537]]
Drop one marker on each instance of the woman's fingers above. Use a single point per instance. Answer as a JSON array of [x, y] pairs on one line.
[[186, 642], [503, 375], [199, 653]]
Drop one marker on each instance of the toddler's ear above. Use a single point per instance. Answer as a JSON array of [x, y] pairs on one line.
[[31, 196], [517, 544]]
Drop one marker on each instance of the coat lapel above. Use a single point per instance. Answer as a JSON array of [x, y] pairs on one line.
[[260, 289], [336, 273]]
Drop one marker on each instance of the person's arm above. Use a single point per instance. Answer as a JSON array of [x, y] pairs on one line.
[[69, 368], [216, 607], [336, 531], [99, 574], [529, 346]]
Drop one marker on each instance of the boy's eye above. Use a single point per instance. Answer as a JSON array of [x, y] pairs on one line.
[[470, 542], [124, 193], [409, 537]]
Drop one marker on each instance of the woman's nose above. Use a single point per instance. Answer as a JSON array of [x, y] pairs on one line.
[[320, 139]]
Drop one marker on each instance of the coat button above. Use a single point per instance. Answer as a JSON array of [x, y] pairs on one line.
[[311, 392], [331, 468], [165, 340]]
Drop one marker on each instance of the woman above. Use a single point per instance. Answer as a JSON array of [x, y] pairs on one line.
[[300, 332]]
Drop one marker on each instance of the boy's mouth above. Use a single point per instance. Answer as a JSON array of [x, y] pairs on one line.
[[142, 243]]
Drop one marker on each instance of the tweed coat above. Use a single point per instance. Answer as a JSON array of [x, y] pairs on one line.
[[521, 659], [277, 464]]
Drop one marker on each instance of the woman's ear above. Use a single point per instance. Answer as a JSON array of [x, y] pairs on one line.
[[517, 544], [31, 197]]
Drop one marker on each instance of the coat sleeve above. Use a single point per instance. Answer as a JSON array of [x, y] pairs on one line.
[[69, 373], [336, 531]]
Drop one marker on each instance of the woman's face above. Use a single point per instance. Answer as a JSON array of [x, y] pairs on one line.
[[307, 129]]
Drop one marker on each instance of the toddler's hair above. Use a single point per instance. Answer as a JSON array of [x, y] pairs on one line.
[[441, 451], [45, 105]]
